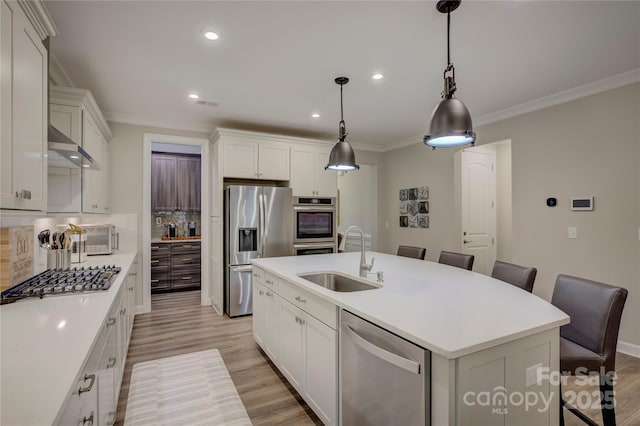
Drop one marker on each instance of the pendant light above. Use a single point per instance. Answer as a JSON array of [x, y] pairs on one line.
[[342, 156], [450, 124]]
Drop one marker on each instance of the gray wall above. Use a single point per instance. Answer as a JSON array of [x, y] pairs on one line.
[[126, 166], [590, 146]]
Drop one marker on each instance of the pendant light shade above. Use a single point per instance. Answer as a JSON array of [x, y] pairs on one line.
[[450, 123], [342, 156]]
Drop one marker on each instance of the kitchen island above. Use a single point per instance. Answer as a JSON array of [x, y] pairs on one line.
[[49, 344], [484, 335]]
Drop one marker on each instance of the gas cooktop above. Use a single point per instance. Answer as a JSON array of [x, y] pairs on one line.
[[62, 281]]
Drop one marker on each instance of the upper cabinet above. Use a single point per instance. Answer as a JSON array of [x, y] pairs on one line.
[[250, 157], [175, 182], [23, 105], [308, 176], [76, 114]]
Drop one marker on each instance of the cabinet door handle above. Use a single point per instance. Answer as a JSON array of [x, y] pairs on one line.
[[260, 292], [88, 420], [112, 362], [268, 281], [111, 322], [155, 281], [256, 275], [123, 311], [130, 288], [112, 414], [91, 377], [187, 259], [301, 300], [186, 278], [155, 261], [269, 294]]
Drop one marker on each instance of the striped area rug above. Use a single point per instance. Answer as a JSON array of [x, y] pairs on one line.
[[190, 389]]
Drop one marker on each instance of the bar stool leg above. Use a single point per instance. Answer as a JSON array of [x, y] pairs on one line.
[[607, 401]]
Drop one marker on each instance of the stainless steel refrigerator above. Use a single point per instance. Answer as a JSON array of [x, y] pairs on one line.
[[257, 224]]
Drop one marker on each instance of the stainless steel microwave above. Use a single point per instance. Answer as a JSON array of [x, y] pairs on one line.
[[101, 239], [314, 220]]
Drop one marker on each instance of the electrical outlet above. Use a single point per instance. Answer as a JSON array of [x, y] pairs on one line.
[[158, 221], [532, 375], [573, 232]]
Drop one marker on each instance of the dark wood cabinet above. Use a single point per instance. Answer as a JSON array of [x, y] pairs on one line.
[[175, 182], [175, 265]]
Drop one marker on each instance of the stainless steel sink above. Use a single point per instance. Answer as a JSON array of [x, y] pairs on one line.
[[338, 282]]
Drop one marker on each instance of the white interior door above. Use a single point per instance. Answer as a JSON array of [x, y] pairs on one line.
[[478, 204]]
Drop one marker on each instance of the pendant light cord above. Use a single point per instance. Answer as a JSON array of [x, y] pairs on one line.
[[342, 127], [448, 34]]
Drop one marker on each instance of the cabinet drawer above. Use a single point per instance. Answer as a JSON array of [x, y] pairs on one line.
[[160, 280], [185, 260], [270, 281], [313, 305], [184, 279], [179, 248], [160, 248], [258, 275], [160, 264]]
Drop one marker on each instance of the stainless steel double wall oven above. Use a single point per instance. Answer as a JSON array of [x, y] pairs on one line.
[[315, 225]]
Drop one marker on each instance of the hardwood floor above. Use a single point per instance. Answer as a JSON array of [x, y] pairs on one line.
[[177, 324]]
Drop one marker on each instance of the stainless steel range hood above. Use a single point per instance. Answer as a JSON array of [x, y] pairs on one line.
[[65, 153]]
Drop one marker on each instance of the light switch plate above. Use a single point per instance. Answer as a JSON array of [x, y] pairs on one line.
[[573, 232]]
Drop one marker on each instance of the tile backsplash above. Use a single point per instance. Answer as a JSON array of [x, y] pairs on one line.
[[177, 217]]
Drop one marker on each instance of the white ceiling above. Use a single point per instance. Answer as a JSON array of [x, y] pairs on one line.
[[275, 62]]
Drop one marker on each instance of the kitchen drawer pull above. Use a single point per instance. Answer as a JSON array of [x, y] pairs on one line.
[[155, 248], [111, 322], [187, 246], [88, 420], [301, 300], [112, 362], [131, 288], [123, 311], [186, 278], [256, 275], [268, 281], [269, 294], [155, 261], [91, 377], [187, 259], [155, 281]]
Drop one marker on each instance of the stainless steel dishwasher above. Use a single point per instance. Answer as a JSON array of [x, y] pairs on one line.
[[384, 379]]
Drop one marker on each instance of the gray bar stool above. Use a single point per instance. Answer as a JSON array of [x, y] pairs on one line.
[[459, 260], [588, 343], [520, 276], [411, 251]]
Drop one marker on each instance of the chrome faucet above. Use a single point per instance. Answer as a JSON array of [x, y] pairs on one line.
[[364, 267]]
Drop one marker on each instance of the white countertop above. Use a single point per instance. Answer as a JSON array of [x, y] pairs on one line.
[[44, 344], [450, 311]]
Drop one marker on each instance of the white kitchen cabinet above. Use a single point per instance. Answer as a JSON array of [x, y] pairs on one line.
[[76, 114], [307, 347], [258, 318], [308, 176], [321, 369], [250, 159], [23, 116], [292, 344]]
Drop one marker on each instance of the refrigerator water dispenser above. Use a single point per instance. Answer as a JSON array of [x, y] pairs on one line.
[[247, 239]]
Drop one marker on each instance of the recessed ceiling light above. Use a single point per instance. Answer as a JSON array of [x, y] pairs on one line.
[[315, 115], [377, 76], [211, 35], [75, 157], [194, 95]]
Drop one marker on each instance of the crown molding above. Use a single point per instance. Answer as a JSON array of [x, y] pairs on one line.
[[57, 74], [115, 117], [81, 98], [588, 89], [271, 137], [402, 143], [39, 17]]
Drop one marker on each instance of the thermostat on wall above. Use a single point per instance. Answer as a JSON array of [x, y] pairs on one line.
[[582, 203]]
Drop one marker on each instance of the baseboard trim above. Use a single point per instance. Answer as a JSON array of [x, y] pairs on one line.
[[629, 348]]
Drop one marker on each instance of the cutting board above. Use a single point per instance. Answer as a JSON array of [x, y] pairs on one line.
[[16, 255]]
